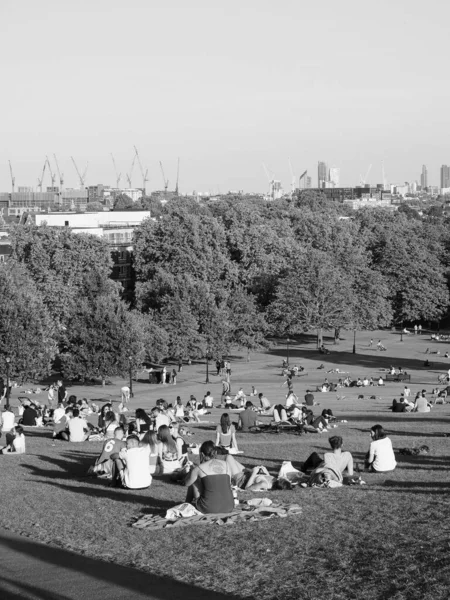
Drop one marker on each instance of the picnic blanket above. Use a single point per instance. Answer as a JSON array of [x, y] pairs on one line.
[[241, 513]]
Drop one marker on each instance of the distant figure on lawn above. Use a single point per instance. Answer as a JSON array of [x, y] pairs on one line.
[[381, 457], [125, 394]]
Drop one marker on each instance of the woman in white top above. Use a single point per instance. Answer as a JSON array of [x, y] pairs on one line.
[[381, 457]]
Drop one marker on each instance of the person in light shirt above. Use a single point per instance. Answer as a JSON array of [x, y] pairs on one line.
[[134, 464], [78, 428], [381, 457], [17, 445]]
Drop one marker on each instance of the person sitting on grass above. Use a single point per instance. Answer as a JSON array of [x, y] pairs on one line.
[[421, 404], [78, 427], [247, 419], [104, 464], [110, 425], [226, 434], [381, 457], [291, 399], [170, 451], [209, 484], [398, 406], [29, 417], [313, 424], [337, 460], [151, 438], [7, 426], [17, 444], [132, 465], [61, 427]]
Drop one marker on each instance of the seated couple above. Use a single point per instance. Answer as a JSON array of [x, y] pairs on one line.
[[331, 467], [303, 417], [15, 441], [71, 427]]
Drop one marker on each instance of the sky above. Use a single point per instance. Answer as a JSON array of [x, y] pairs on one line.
[[225, 86]]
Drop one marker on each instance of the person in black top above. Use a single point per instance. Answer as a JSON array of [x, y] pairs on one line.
[[29, 416], [309, 398], [62, 392]]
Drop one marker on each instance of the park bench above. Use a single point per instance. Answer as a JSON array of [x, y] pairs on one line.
[[397, 377]]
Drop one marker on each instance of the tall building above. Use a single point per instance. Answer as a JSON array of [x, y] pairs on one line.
[[308, 182], [334, 174], [445, 176], [424, 178], [322, 174]]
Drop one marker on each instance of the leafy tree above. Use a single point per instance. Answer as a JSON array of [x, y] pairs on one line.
[[65, 266], [248, 325], [123, 202], [27, 333], [314, 295], [102, 336], [94, 206]]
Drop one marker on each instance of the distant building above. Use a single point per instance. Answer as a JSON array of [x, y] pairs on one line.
[[308, 183], [5, 249], [322, 174], [424, 178], [333, 176], [445, 176]]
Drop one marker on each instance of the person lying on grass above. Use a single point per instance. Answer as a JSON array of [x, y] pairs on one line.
[[131, 468], [209, 484], [104, 464], [381, 457], [17, 444], [337, 460]]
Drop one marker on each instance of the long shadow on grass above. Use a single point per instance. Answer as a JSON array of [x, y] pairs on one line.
[[429, 487], [118, 494], [407, 433], [81, 577]]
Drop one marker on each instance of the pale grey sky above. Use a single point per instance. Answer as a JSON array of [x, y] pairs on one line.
[[225, 85]]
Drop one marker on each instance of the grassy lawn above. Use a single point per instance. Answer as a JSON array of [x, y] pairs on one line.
[[388, 539]]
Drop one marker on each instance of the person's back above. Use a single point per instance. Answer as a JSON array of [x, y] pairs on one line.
[[398, 407], [77, 428], [383, 453], [247, 419], [161, 419], [309, 398], [421, 405], [7, 420], [217, 496], [339, 461], [29, 417], [136, 459], [18, 443]]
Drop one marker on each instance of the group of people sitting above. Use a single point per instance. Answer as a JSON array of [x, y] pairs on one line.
[[420, 403], [210, 483], [14, 434]]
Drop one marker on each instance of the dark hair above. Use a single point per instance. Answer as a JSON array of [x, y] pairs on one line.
[[141, 414], [76, 412], [378, 431], [72, 399], [166, 438], [259, 395], [248, 404], [19, 429], [225, 422], [208, 449], [110, 417], [104, 408], [133, 437], [120, 428], [336, 442], [151, 438]]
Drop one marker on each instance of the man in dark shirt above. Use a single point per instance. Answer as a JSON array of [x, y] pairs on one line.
[[398, 406], [62, 393], [309, 398], [29, 416], [247, 418]]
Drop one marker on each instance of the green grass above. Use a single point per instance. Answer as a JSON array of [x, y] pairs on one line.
[[389, 539]]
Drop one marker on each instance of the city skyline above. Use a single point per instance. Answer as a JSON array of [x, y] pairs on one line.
[[225, 88]]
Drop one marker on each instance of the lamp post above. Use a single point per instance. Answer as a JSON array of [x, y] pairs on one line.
[[287, 351], [8, 387], [401, 333], [354, 341], [207, 366], [130, 358]]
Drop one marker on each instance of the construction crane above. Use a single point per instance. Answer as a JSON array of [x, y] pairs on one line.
[[166, 181], [129, 175], [41, 180], [118, 175], [178, 174], [292, 177], [271, 180], [383, 174], [60, 175], [13, 179], [144, 175], [52, 175], [364, 179], [81, 177], [302, 176]]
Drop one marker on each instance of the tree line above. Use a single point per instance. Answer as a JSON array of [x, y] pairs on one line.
[[217, 274]]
